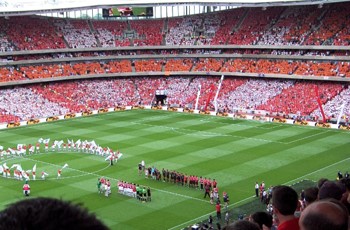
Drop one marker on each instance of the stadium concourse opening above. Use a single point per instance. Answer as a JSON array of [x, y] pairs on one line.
[[160, 97]]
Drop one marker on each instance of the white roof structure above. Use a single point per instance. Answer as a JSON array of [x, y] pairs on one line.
[[15, 7]]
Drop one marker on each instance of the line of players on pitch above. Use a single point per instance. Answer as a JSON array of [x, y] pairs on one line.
[[173, 176], [142, 193]]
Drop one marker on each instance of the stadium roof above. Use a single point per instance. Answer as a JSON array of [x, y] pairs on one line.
[[15, 7]]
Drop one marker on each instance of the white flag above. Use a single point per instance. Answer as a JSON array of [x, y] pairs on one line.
[[34, 168], [46, 141], [11, 151], [59, 143], [24, 174], [19, 168], [93, 143], [14, 166], [65, 166], [1, 147], [108, 158], [78, 142], [40, 140]]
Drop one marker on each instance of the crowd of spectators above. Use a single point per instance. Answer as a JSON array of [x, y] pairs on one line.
[[27, 104], [252, 93], [77, 33], [260, 67], [183, 31], [271, 25], [178, 65], [298, 98], [10, 74], [149, 65], [296, 25], [149, 32], [208, 64], [6, 118], [292, 27], [5, 45], [30, 33], [330, 30], [301, 98], [111, 33], [87, 95], [228, 22], [333, 108], [254, 24]]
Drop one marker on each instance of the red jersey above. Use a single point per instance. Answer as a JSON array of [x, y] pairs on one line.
[[26, 187], [218, 208]]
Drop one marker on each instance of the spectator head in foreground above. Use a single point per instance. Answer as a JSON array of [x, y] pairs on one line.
[[324, 215], [48, 214], [310, 195], [263, 219], [242, 225], [331, 189], [285, 202]]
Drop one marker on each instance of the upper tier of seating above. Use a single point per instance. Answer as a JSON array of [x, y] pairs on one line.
[[292, 25]]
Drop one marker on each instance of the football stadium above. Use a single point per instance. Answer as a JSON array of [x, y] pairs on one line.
[[174, 115]]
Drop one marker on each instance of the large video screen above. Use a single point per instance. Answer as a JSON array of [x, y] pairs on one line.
[[128, 12]]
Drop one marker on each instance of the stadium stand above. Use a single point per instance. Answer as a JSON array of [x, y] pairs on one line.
[[314, 25]]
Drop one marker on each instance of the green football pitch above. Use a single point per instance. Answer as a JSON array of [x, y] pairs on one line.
[[236, 153]]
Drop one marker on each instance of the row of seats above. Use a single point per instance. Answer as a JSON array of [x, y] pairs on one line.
[[262, 67]]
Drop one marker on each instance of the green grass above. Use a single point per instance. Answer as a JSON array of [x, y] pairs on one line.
[[237, 153]]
